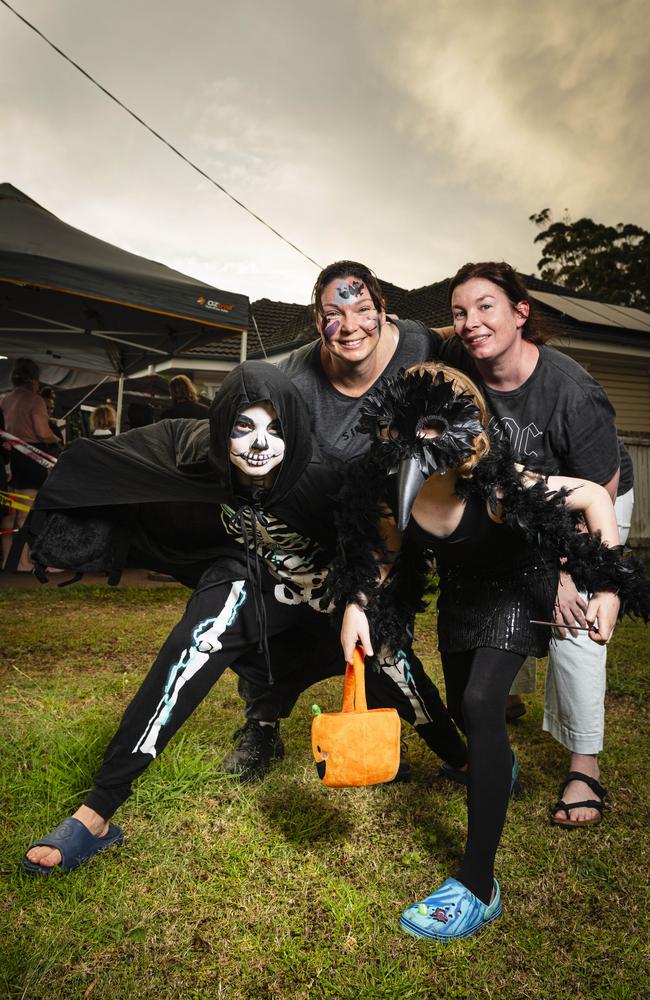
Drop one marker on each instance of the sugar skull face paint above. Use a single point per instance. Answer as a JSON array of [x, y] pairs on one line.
[[256, 441]]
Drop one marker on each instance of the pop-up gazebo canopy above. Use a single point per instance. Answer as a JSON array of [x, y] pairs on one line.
[[69, 299]]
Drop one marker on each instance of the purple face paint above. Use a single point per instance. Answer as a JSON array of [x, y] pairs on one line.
[[368, 323], [331, 328]]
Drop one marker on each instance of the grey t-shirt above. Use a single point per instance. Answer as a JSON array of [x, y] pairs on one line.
[[559, 421], [335, 415]]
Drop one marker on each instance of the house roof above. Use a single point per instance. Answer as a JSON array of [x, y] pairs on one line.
[[560, 312]]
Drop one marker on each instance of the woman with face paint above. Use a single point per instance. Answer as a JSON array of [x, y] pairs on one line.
[[438, 487]]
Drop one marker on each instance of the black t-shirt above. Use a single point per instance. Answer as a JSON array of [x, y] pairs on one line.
[[559, 421], [188, 409], [335, 415]]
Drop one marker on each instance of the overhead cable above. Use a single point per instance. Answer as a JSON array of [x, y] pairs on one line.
[[159, 136]]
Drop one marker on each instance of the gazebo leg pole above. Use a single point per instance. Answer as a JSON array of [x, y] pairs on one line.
[[120, 401]]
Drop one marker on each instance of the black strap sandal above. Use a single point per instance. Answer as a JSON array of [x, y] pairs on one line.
[[562, 806]]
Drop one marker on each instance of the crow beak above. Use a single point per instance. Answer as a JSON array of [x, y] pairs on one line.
[[410, 478]]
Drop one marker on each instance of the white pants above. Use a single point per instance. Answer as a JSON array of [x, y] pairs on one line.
[[574, 704]]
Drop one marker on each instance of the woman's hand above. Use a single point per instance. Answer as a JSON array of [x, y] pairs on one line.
[[355, 629], [570, 607], [604, 607]]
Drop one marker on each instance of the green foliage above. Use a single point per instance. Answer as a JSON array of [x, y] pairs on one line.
[[286, 890], [609, 263]]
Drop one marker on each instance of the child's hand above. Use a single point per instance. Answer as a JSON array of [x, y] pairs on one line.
[[604, 607], [355, 629]]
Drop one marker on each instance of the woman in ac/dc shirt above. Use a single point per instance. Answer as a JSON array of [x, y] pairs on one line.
[[560, 421]]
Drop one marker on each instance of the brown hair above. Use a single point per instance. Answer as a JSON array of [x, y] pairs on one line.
[[24, 372], [181, 389], [345, 269], [507, 279], [103, 418], [462, 383]]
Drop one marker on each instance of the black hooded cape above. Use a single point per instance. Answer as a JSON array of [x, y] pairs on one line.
[[152, 497]]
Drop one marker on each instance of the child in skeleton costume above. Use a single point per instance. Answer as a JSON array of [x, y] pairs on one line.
[[433, 485], [267, 536]]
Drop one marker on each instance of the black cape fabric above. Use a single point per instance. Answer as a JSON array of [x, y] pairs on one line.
[[151, 497]]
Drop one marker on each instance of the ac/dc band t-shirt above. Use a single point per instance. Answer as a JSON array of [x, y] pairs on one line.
[[558, 421]]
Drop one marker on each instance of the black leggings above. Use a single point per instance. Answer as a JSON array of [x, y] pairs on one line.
[[477, 684]]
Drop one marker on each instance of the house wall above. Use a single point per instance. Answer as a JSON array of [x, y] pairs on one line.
[[626, 381], [639, 449]]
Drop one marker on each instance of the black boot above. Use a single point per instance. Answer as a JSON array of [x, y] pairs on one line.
[[257, 747]]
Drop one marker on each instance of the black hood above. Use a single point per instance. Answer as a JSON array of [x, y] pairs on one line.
[[247, 384]]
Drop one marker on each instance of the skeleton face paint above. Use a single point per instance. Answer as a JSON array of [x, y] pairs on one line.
[[256, 442]]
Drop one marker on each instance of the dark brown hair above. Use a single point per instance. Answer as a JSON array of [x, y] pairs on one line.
[[346, 269], [507, 279], [181, 389], [24, 372]]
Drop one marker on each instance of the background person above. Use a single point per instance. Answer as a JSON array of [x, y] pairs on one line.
[[103, 421], [49, 395], [25, 416], [185, 400]]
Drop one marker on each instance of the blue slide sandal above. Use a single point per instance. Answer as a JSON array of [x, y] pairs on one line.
[[76, 844]]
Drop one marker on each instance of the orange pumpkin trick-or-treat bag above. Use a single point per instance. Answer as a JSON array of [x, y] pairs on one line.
[[356, 746]]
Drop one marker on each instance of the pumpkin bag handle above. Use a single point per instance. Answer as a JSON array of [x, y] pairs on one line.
[[354, 687]]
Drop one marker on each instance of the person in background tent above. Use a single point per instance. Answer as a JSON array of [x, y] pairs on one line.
[[103, 421], [49, 395], [185, 400], [25, 416]]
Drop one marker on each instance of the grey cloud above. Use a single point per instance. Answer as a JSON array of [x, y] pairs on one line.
[[411, 134]]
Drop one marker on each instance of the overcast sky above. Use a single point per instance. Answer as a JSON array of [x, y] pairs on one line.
[[411, 134]]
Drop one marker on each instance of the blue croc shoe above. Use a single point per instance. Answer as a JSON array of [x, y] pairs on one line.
[[451, 912], [76, 844]]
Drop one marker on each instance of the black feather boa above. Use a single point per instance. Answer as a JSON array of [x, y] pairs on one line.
[[540, 516], [400, 406]]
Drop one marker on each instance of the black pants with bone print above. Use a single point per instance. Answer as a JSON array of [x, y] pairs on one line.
[[219, 629]]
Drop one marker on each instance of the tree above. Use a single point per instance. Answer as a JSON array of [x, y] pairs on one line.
[[609, 263]]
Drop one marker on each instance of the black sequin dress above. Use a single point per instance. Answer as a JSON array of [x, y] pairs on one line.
[[492, 582]]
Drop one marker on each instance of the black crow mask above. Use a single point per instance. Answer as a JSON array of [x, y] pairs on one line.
[[396, 413]]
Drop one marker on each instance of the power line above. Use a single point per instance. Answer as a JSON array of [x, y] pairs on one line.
[[158, 135]]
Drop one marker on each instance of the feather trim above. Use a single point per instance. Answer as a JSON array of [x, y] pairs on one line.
[[396, 411], [541, 517]]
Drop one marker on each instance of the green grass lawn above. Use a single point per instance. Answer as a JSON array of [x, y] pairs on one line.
[[286, 889]]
